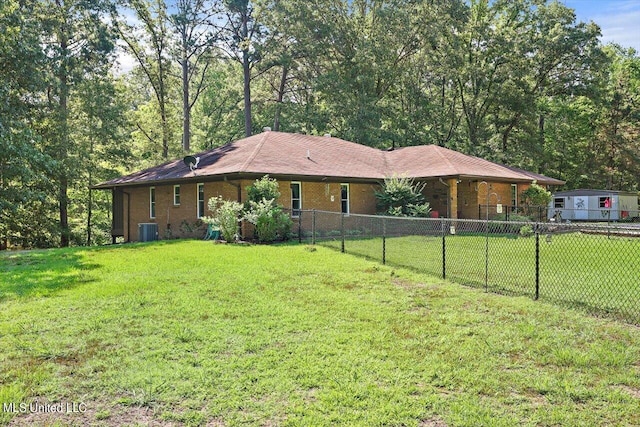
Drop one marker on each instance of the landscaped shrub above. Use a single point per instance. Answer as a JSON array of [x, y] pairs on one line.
[[226, 214], [263, 188], [535, 200], [262, 210], [270, 222], [401, 196]]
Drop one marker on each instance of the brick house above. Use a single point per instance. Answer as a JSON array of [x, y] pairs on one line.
[[313, 172]]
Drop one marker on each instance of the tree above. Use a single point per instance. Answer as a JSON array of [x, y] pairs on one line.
[[242, 33], [618, 138], [24, 184], [193, 24], [149, 42], [78, 44]]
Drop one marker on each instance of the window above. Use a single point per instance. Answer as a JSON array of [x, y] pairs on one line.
[[558, 203], [514, 197], [604, 202], [296, 199], [200, 200], [344, 198], [152, 202], [176, 195]]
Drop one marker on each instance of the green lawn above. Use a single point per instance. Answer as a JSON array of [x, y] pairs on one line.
[[197, 333], [593, 271]]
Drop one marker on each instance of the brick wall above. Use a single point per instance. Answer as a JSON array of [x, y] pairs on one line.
[[174, 221], [326, 196], [181, 221]]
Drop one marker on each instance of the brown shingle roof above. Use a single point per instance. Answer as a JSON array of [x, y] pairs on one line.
[[279, 153], [428, 161]]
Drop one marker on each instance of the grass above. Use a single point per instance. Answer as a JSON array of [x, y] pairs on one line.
[[592, 271], [194, 333]]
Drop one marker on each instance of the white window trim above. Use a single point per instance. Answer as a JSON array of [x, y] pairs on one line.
[[346, 184], [198, 213], [299, 198], [514, 194], [152, 202], [174, 195]]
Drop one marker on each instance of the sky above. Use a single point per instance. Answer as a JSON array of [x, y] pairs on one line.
[[619, 20]]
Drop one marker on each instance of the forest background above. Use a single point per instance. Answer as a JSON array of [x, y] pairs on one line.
[[520, 82]]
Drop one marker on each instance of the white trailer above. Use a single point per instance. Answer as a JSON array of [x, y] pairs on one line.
[[594, 205]]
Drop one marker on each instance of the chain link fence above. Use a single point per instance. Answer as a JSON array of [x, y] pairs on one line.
[[592, 266]]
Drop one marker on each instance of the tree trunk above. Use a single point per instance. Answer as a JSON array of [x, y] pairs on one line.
[[247, 94], [63, 185], [280, 97], [186, 107], [89, 213], [247, 80]]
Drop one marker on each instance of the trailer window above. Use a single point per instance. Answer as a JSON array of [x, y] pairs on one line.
[[604, 202], [558, 203]]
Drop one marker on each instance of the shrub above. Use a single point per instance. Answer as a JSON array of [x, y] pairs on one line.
[[263, 188], [226, 214], [270, 222], [535, 197], [512, 217], [261, 210], [526, 231], [401, 196]]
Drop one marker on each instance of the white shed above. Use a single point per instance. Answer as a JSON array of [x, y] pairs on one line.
[[594, 205]]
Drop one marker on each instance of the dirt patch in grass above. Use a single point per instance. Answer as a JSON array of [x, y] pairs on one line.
[[432, 422], [631, 391], [406, 284]]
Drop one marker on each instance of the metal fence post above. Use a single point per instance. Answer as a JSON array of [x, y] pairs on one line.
[[486, 254], [300, 227], [537, 262], [384, 241], [444, 251], [342, 231], [313, 227]]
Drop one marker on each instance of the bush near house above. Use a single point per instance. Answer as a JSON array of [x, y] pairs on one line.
[[262, 210], [401, 196], [226, 215]]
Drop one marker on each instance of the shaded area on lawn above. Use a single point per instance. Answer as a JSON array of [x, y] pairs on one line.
[[42, 272]]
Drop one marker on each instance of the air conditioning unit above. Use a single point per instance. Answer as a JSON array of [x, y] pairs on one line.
[[147, 232]]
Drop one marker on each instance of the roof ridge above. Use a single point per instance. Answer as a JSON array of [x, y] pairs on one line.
[[255, 152], [445, 158]]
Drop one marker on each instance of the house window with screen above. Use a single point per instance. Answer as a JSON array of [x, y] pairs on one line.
[[200, 200], [152, 202], [176, 195], [514, 197], [558, 203], [344, 198], [296, 199]]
